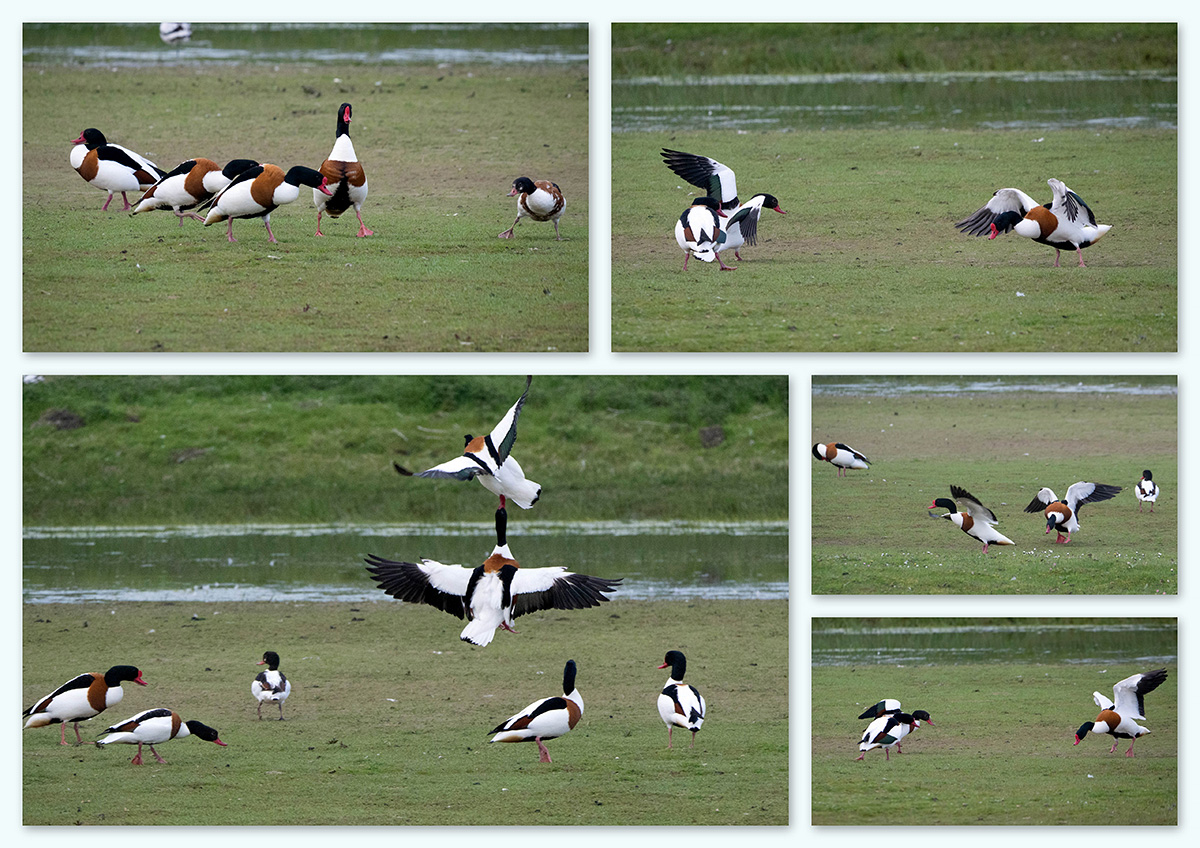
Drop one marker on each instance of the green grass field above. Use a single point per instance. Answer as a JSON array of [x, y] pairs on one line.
[[871, 532], [389, 716], [440, 146], [1000, 751]]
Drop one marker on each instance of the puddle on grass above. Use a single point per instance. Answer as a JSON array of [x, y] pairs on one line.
[[963, 386]]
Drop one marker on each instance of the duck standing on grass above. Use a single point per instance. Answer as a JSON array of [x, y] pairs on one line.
[[1064, 514], [189, 185], [112, 167], [698, 232], [889, 730], [151, 727], [271, 685], [539, 200], [976, 522], [347, 181], [1146, 491], [258, 191], [81, 698], [1119, 719], [548, 718], [842, 457], [680, 704]]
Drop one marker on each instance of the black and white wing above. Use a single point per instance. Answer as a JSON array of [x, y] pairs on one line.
[[1081, 493], [974, 508], [1041, 500], [1067, 203], [504, 434], [1004, 210], [1130, 693], [460, 468], [709, 174], [428, 582], [536, 589]]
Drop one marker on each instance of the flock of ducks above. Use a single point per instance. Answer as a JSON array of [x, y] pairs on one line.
[[245, 188], [968, 513]]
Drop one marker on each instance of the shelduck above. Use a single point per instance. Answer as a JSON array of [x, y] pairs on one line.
[[112, 167], [153, 727], [698, 232], [489, 595], [190, 184], [1146, 491], [1064, 514], [889, 730], [1066, 222], [680, 704], [175, 33], [741, 225], [548, 718], [977, 522], [1119, 719], [538, 200], [271, 685], [840, 456], [888, 706], [258, 191], [81, 698], [489, 460], [345, 176]]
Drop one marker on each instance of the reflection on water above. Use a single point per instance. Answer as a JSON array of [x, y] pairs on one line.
[[1041, 641], [657, 559], [955, 386]]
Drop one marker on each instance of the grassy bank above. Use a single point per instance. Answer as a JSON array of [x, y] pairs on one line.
[[184, 450], [999, 753], [871, 532], [440, 147], [867, 258], [387, 703]]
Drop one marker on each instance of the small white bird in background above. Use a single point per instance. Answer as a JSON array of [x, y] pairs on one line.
[[1146, 491], [271, 685], [175, 33], [548, 718], [840, 456], [680, 704], [489, 460]]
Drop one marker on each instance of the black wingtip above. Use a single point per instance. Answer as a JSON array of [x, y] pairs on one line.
[[401, 470]]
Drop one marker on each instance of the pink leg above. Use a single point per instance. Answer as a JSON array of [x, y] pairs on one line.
[[543, 754], [318, 232], [1079, 250], [985, 547], [557, 237], [229, 230], [860, 756], [504, 625], [693, 739], [104, 208], [363, 231], [886, 755], [724, 267], [737, 255], [1056, 253], [686, 255], [1129, 753], [507, 234], [125, 200], [137, 759], [267, 224], [502, 501], [669, 729], [78, 738], [62, 734], [156, 756], [1114, 747]]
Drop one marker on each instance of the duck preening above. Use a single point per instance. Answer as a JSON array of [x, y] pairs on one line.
[[271, 685], [112, 167], [1118, 718], [548, 718], [1064, 514], [81, 698], [258, 191], [345, 177], [537, 200], [1065, 223], [889, 730], [977, 522], [490, 595], [1146, 491], [840, 456], [489, 460], [698, 232], [680, 704], [153, 727]]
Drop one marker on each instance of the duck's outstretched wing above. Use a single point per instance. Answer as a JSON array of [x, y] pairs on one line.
[[1006, 208], [428, 582], [709, 174], [536, 589]]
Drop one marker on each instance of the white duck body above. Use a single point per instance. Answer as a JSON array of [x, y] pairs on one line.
[[547, 718], [153, 727], [112, 167], [680, 704], [82, 698], [345, 176], [260, 190], [698, 232], [271, 685], [184, 188], [842, 457], [1146, 491], [977, 521], [886, 732], [1119, 718], [1064, 514], [539, 200]]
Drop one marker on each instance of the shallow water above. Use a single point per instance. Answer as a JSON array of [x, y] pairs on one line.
[[657, 560], [1146, 642], [959, 386]]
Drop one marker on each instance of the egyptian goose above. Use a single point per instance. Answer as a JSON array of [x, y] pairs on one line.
[[888, 706], [538, 200], [112, 167], [345, 176], [698, 232], [489, 595], [680, 704], [258, 191], [842, 457], [976, 522], [1146, 491], [1065, 222], [189, 185], [82, 698], [548, 718], [889, 730], [721, 183], [1064, 514], [1119, 720], [153, 727], [271, 685], [489, 460]]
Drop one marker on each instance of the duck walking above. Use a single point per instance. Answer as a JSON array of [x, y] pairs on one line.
[[977, 522], [344, 174], [840, 456], [153, 727], [112, 167], [1146, 491], [258, 191], [190, 184], [680, 704], [1065, 223], [538, 200], [271, 685], [489, 460], [1064, 514], [698, 232], [82, 698], [490, 595], [545, 719], [1118, 718]]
